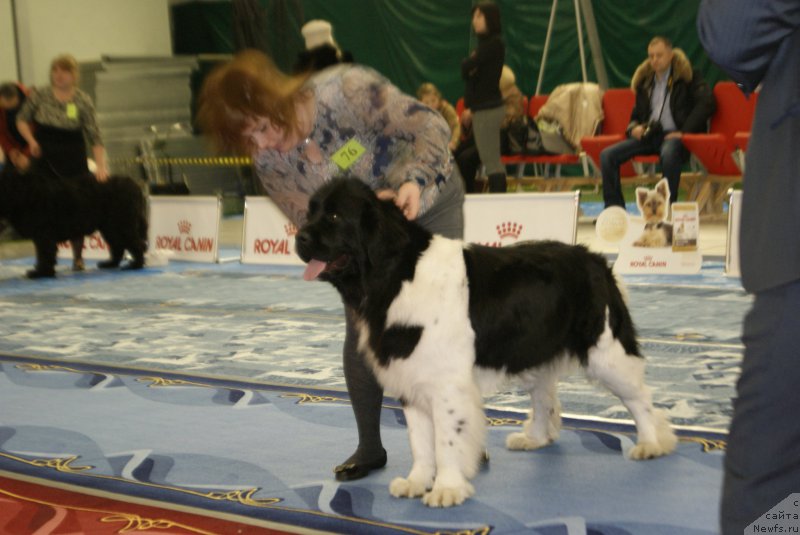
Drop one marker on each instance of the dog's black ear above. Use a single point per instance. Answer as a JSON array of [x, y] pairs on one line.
[[384, 232]]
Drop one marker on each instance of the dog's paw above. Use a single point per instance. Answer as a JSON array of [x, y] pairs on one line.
[[448, 496], [666, 436], [521, 441], [401, 487], [647, 450]]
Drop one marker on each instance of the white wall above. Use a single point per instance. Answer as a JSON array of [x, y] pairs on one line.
[[87, 29], [8, 60]]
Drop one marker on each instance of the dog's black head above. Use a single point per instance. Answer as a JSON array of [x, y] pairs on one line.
[[350, 234]]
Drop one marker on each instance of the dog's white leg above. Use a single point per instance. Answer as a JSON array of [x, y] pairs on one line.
[[460, 434], [623, 375], [421, 437], [544, 423]]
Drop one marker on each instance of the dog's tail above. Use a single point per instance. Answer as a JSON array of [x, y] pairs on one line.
[[619, 317]]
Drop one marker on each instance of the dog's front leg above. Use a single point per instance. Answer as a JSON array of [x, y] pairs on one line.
[[460, 430], [420, 434]]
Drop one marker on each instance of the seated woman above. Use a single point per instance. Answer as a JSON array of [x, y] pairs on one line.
[[429, 95]]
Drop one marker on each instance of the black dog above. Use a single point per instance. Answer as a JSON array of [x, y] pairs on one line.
[[440, 322], [50, 209]]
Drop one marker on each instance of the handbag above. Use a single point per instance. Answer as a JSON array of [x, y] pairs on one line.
[[513, 140]]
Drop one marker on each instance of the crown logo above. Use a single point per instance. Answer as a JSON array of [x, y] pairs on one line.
[[290, 228], [184, 227], [509, 230]]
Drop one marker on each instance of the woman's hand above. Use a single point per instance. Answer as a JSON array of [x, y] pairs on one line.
[[406, 198], [101, 169]]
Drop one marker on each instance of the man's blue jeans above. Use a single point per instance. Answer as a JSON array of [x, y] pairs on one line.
[[672, 156]]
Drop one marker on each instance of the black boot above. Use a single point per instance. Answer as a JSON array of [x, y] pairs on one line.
[[497, 183]]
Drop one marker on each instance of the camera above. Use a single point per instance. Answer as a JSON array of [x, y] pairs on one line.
[[653, 132]]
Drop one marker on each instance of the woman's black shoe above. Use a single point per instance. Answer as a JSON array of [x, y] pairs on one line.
[[351, 469]]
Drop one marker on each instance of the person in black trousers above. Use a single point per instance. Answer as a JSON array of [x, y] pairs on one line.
[[483, 103]]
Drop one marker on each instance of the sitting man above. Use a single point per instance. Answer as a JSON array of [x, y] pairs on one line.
[[15, 148], [671, 98]]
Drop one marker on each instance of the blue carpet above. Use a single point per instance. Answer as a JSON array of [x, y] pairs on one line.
[[265, 452], [266, 323]]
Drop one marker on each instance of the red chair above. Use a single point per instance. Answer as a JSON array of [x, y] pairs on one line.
[[716, 150], [459, 107], [741, 139], [617, 107], [535, 103]]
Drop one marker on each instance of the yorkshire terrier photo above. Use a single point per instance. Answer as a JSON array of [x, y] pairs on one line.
[[654, 205]]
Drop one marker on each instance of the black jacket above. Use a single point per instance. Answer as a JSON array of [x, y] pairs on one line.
[[320, 57], [481, 74], [690, 98]]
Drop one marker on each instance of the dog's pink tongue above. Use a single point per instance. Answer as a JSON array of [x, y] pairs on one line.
[[313, 269]]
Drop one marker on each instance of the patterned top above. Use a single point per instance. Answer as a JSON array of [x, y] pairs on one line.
[[404, 140], [43, 107]]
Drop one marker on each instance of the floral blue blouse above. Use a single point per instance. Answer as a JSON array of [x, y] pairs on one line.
[[403, 140]]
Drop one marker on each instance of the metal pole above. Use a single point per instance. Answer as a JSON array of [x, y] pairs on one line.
[[594, 44], [546, 46], [579, 27], [16, 40]]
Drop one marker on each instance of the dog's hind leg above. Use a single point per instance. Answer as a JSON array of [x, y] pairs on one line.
[[136, 245], [137, 260], [46, 251], [423, 469], [116, 256], [623, 375], [544, 423]]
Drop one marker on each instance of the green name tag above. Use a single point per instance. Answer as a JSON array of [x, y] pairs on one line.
[[72, 111], [348, 154]]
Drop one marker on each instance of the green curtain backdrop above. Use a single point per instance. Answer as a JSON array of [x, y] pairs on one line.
[[413, 41]]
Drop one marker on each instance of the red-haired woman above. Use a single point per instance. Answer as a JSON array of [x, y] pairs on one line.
[[303, 130]]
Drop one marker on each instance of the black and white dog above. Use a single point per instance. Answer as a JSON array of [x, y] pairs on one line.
[[442, 322]]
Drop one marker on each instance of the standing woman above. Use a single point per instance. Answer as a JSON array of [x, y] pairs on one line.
[[300, 132], [482, 99], [55, 121]]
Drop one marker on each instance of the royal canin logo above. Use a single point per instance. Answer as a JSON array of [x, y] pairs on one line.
[[184, 227], [509, 230], [290, 228]]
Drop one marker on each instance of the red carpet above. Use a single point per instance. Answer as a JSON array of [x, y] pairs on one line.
[[29, 508]]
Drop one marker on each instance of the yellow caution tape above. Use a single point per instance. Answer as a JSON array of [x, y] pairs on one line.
[[217, 161]]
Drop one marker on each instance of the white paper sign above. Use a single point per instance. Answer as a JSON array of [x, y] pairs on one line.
[[94, 248], [489, 219], [499, 219], [186, 226], [268, 236], [647, 248]]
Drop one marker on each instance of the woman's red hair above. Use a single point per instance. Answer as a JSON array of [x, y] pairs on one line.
[[248, 86]]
